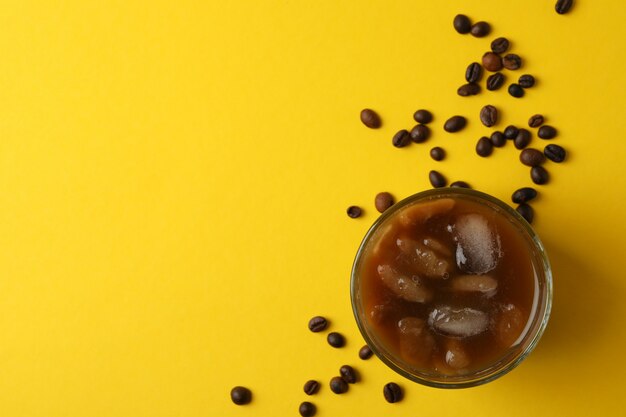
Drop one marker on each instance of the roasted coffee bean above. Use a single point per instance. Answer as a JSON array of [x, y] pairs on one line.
[[473, 72], [516, 91], [526, 212], [510, 132], [365, 352], [497, 139], [499, 45], [462, 24], [535, 120], [419, 133], [354, 212], [492, 62], [495, 81], [522, 139], [336, 340], [460, 184], [383, 201], [392, 392], [401, 139], [437, 153], [423, 116], [484, 147], [240, 395], [563, 6], [531, 157], [470, 89], [480, 29], [526, 81], [307, 409], [311, 387], [546, 132], [489, 115], [348, 374], [370, 118], [539, 175], [523, 195], [512, 61], [437, 180], [454, 124], [317, 324], [555, 153], [338, 385]]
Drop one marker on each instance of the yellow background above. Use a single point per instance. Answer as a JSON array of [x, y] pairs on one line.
[[174, 177]]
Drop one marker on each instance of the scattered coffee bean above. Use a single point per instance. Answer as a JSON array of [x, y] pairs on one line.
[[492, 62], [524, 195], [370, 118], [348, 374], [240, 395], [484, 147], [531, 157], [336, 340], [460, 184], [454, 124], [311, 387], [516, 91], [510, 132], [480, 29], [535, 120], [546, 132], [470, 89], [526, 81], [392, 392], [512, 61], [401, 139], [437, 153], [354, 212], [462, 24], [522, 139], [526, 212], [555, 153], [539, 175], [437, 180], [563, 6], [383, 201], [499, 45], [317, 324], [338, 385], [307, 409], [497, 139], [365, 352], [419, 133], [423, 116], [473, 72], [489, 115], [495, 81]]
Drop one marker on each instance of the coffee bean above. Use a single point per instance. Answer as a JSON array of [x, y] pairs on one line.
[[462, 24], [470, 89], [437, 153], [539, 175], [317, 324], [437, 180], [460, 184], [383, 201], [497, 139], [354, 212], [526, 81], [423, 116], [492, 62], [522, 139], [495, 81], [555, 153], [523, 195], [510, 132], [370, 118], [454, 124], [419, 133], [535, 120], [484, 147], [392, 392], [512, 61], [365, 352], [336, 340], [480, 29], [526, 212], [307, 409], [563, 6], [531, 157], [489, 115], [348, 374], [338, 385], [473, 72], [546, 132], [516, 91], [240, 395], [499, 45], [401, 139], [311, 387]]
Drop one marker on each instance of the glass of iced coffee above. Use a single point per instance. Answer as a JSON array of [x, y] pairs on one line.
[[451, 288]]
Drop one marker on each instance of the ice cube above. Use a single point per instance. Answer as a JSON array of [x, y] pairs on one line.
[[425, 261], [416, 341], [458, 322], [378, 313], [456, 356], [478, 248], [437, 246], [420, 212], [383, 237], [408, 288], [509, 325], [475, 283]]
